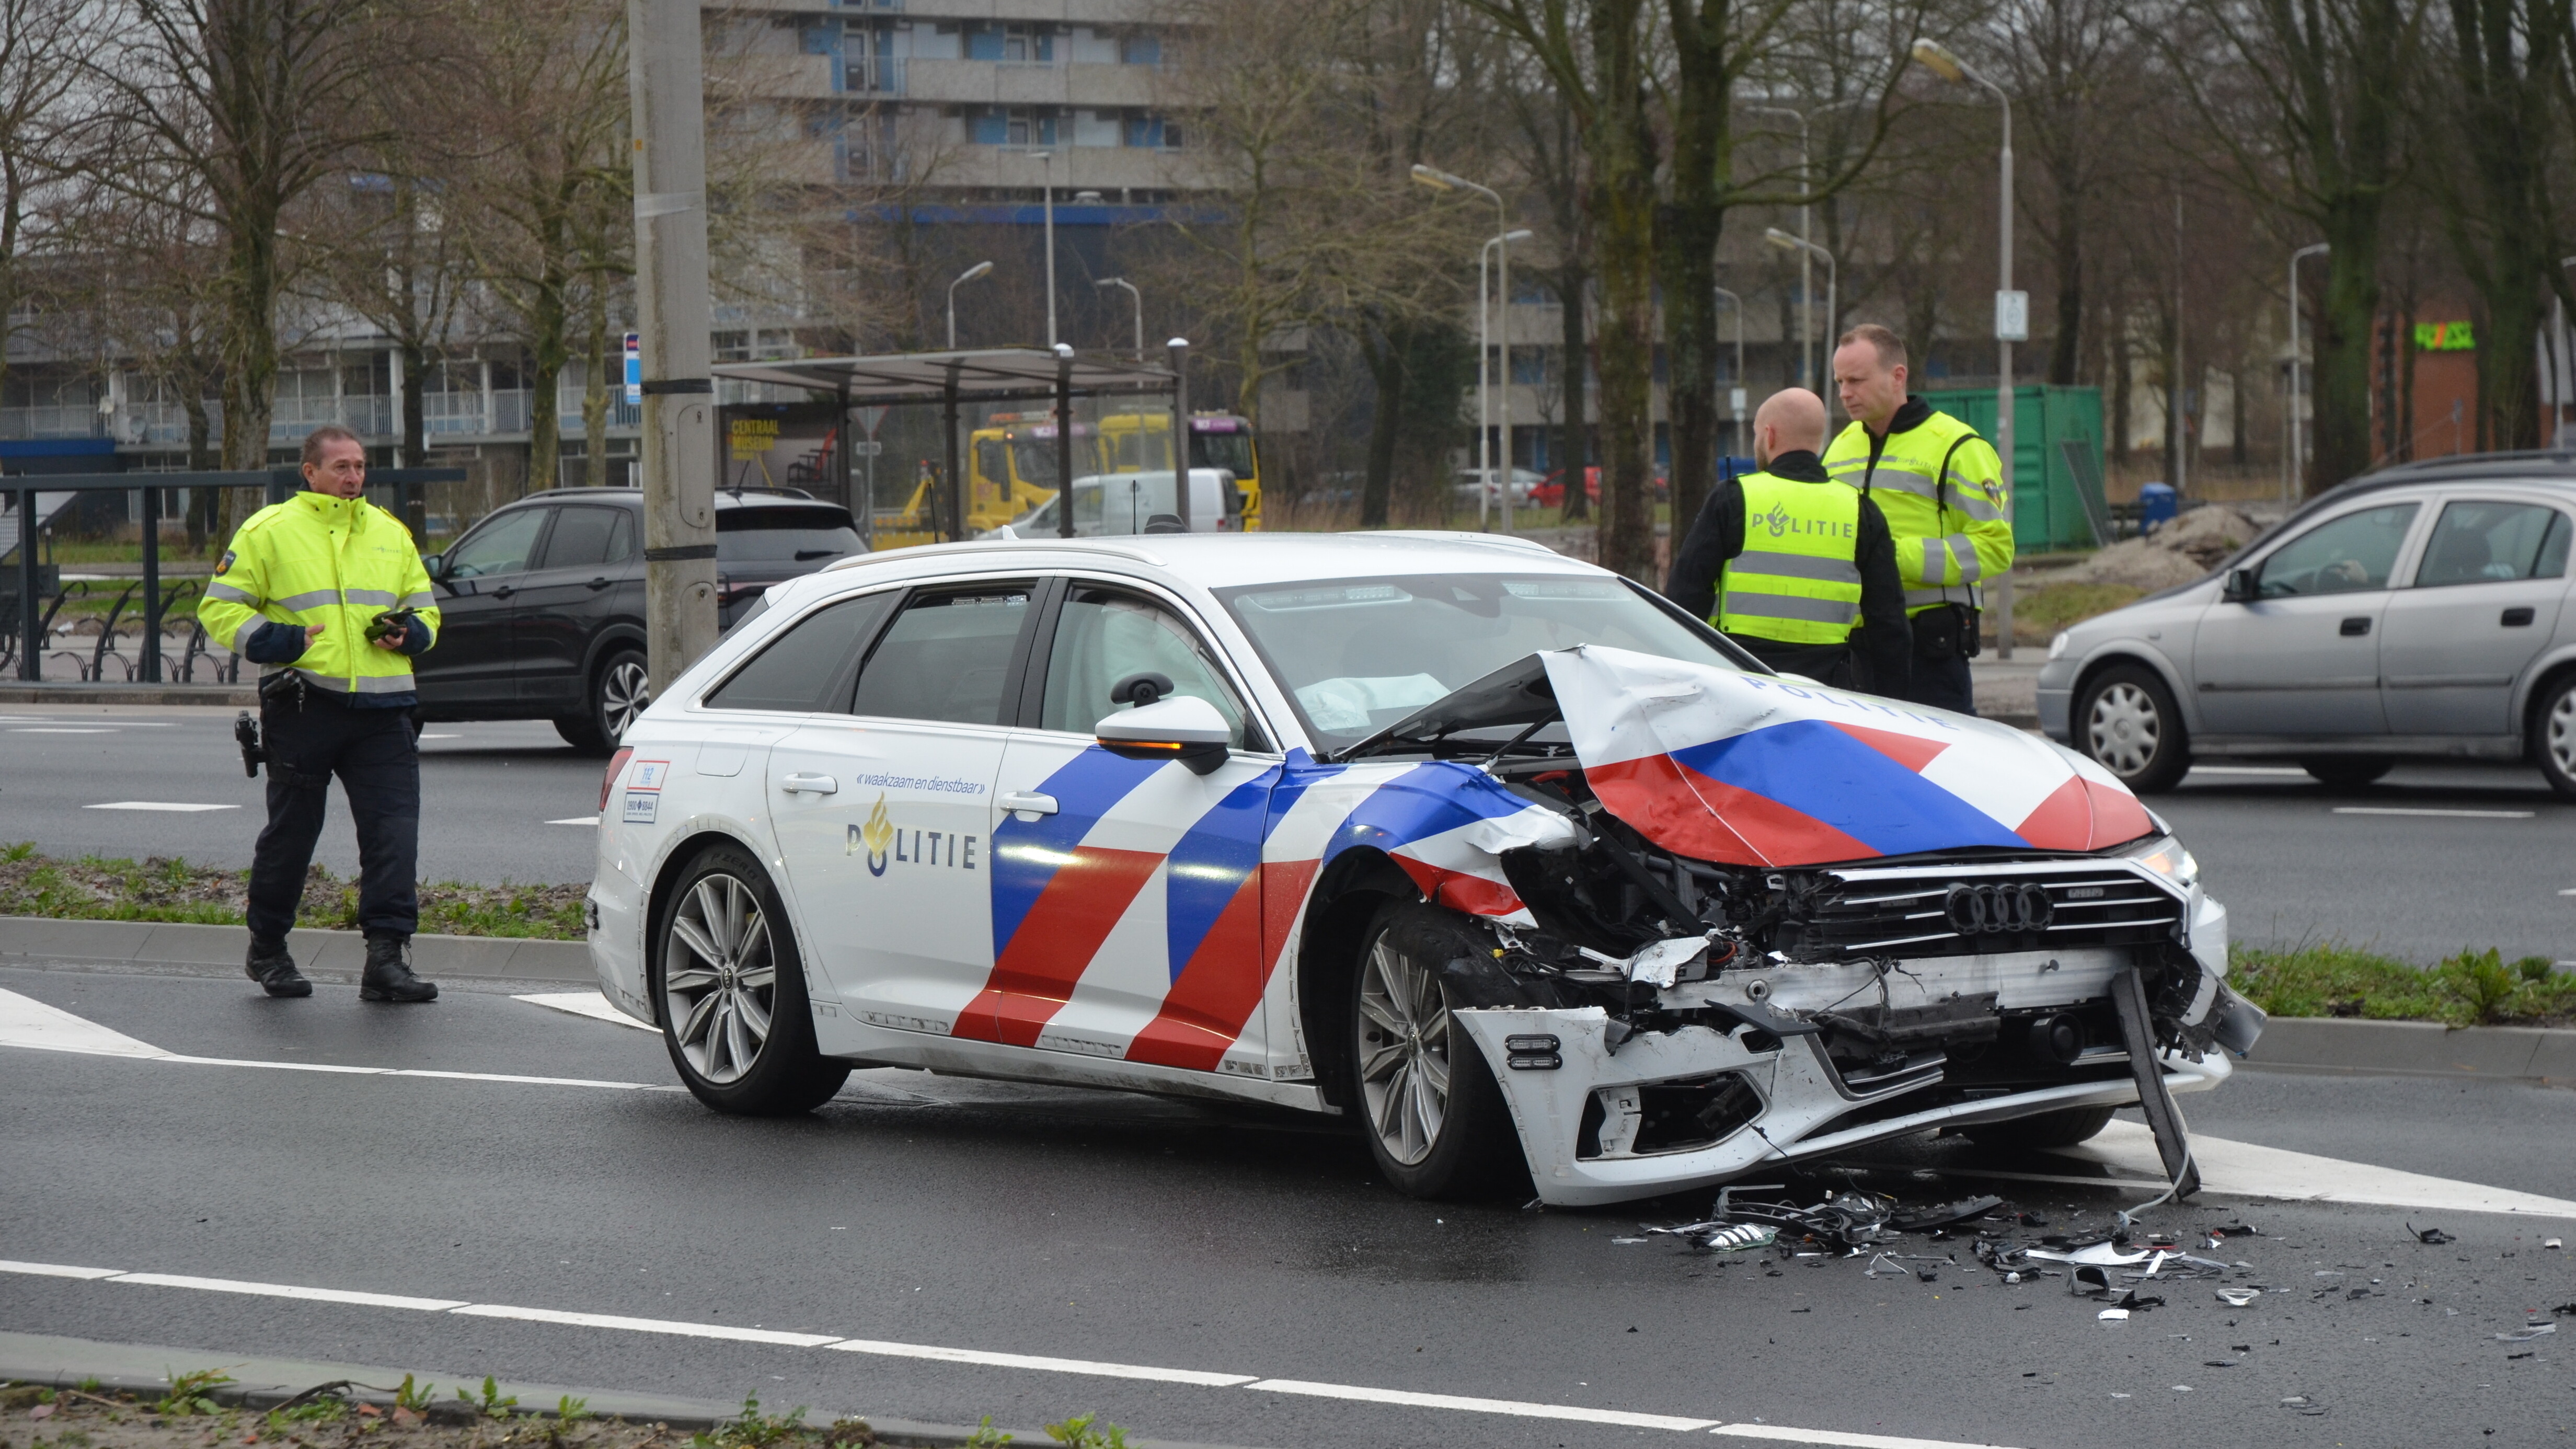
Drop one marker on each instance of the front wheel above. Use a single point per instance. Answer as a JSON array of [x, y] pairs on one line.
[[2553, 734], [731, 993], [1434, 1118], [2126, 722]]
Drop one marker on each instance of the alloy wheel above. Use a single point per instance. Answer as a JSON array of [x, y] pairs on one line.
[[1404, 1053], [2124, 728], [625, 691], [719, 977], [2560, 736]]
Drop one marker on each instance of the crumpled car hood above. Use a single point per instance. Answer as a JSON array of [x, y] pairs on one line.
[[1747, 769]]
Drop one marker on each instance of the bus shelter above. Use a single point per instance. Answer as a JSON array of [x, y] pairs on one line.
[[954, 380]]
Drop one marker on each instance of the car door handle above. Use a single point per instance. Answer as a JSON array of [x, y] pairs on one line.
[[2517, 618], [597, 583], [503, 592], [2355, 628], [818, 784], [1029, 801]]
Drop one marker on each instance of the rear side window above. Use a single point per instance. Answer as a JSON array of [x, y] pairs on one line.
[[584, 537], [947, 656], [799, 668], [808, 533], [2480, 543]]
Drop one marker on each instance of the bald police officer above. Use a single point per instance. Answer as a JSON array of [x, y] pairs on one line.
[[1794, 566]]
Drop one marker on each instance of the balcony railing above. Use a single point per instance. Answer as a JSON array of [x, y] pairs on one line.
[[52, 420], [290, 418]]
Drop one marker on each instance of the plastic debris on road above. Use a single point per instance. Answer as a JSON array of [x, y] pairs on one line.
[[2238, 1297], [2527, 1333], [2430, 1237]]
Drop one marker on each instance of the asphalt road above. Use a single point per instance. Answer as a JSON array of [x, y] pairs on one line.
[[1105, 1227], [2492, 863], [489, 792]]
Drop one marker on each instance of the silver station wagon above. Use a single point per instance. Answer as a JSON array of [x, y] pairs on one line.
[[2420, 612]]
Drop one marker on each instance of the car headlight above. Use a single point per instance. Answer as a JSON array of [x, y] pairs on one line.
[[2057, 646], [2169, 858]]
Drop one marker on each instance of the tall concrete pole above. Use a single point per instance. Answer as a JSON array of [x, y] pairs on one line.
[[666, 90]]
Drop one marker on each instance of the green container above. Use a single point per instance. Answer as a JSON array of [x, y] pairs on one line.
[[2057, 460]]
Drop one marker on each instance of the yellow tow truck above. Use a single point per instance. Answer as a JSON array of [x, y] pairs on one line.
[[1010, 467]]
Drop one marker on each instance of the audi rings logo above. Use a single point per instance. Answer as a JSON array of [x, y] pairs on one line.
[[1997, 910]]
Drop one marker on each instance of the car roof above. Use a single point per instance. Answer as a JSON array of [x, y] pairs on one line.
[[2552, 468], [634, 498], [1228, 560]]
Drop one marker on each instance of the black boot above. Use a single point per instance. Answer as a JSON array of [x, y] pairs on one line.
[[274, 970], [389, 977]]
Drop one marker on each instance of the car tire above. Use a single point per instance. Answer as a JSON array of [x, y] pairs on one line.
[[729, 991], [1434, 1118], [2125, 721], [619, 689], [2553, 734], [2348, 772], [2063, 1128]]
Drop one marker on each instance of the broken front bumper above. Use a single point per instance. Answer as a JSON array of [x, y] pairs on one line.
[[1579, 1084]]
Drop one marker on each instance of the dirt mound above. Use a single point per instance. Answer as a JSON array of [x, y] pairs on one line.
[[2177, 553]]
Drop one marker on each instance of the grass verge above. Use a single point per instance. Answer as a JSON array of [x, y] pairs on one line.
[[2471, 988], [94, 888]]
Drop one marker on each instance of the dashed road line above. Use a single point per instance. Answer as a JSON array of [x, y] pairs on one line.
[[2426, 810], [982, 1358], [177, 807]]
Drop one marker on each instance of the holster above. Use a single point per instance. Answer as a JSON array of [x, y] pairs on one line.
[[1946, 631]]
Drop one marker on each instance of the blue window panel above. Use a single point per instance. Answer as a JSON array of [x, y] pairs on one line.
[[984, 44], [990, 128]]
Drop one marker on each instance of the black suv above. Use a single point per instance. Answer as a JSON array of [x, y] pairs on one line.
[[542, 602]]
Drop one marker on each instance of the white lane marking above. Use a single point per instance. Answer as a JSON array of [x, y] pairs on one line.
[[2248, 770], [179, 807], [1512, 1407], [1353, 1392], [2452, 814], [644, 1325], [27, 1022], [2242, 1169], [576, 820], [289, 1290], [53, 730], [55, 1270], [442, 737], [2568, 893], [584, 1003], [1040, 1363], [1786, 1435]]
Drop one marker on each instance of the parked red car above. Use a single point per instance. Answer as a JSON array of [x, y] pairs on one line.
[[1551, 493]]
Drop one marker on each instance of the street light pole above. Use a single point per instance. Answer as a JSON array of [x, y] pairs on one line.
[[666, 91], [1833, 274], [980, 269], [1047, 160], [2012, 308], [2298, 476], [1736, 394], [1806, 265], [1139, 299], [1439, 180]]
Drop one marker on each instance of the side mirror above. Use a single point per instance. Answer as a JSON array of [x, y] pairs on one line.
[[1184, 729], [2240, 587], [436, 564]]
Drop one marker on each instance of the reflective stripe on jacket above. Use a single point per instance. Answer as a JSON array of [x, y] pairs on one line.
[[1798, 578], [1941, 487], [316, 559]]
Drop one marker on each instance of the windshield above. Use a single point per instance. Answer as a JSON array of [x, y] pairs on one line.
[[785, 535], [1035, 459], [1222, 450], [1359, 654]]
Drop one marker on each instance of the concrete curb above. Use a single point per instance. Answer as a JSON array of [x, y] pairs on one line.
[[233, 696], [2289, 1044], [260, 1383], [2348, 1047], [26, 939]]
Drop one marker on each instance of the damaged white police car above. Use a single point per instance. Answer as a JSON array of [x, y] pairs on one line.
[[1490, 852]]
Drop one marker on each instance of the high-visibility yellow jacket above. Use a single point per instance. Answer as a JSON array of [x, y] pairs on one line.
[[1941, 487], [316, 559], [1797, 579]]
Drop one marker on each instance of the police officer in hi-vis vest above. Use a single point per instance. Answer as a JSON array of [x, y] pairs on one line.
[[1941, 487], [1795, 567], [305, 593]]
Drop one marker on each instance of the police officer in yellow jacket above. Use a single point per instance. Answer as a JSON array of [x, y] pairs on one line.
[[1792, 565], [1941, 487], [297, 594]]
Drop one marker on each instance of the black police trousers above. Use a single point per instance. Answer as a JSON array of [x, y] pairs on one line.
[[377, 757], [1943, 684]]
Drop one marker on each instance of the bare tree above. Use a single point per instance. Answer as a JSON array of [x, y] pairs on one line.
[[42, 45], [236, 108]]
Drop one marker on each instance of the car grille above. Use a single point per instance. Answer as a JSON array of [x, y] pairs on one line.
[[1966, 911]]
